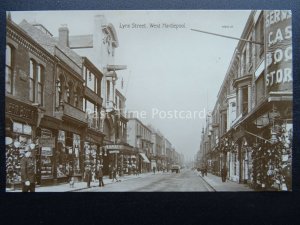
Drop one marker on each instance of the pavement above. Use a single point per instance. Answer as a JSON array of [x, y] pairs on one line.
[[212, 180], [219, 186], [65, 187]]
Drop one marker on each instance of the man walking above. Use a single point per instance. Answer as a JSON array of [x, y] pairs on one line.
[[114, 174], [224, 174], [28, 172], [100, 177], [88, 176]]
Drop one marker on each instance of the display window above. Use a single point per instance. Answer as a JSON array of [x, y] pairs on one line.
[[20, 140], [67, 154], [91, 157], [46, 162]]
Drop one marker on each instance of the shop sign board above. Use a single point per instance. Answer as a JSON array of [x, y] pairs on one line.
[[47, 142], [278, 47], [114, 151], [113, 147], [47, 151], [21, 110]]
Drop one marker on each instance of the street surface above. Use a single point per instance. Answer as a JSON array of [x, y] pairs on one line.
[[184, 181]]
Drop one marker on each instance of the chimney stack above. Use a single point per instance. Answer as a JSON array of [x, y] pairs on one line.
[[63, 36]]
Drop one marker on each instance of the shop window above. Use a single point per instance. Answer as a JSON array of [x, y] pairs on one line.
[[22, 139], [9, 70], [46, 162], [91, 157], [75, 163], [68, 152]]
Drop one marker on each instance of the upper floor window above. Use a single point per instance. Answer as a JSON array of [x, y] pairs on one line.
[[92, 82], [36, 82], [244, 61], [31, 80], [244, 100], [40, 84], [69, 92], [59, 91], [9, 70], [259, 33], [107, 90]]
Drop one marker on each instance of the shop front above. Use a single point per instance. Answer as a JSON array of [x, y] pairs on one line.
[[122, 157], [20, 127], [144, 163], [68, 157], [93, 155]]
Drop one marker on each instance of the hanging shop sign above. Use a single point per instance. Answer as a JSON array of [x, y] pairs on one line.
[[47, 151], [47, 142], [278, 47]]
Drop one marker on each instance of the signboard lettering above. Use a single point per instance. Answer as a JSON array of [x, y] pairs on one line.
[[47, 142], [47, 151], [19, 110], [278, 42]]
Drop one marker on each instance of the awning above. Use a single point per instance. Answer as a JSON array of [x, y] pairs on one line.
[[145, 159]]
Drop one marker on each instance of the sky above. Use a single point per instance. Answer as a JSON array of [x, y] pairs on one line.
[[173, 74]]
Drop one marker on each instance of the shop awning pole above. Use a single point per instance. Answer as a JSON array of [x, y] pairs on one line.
[[258, 136]]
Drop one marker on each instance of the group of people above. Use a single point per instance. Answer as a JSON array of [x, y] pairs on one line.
[[28, 175], [88, 176]]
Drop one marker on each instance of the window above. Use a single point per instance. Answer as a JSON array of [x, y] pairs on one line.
[[9, 70], [69, 93], [250, 54], [259, 30], [244, 63], [59, 91], [40, 87], [22, 128], [91, 81], [36, 82], [107, 90], [31, 80], [245, 100]]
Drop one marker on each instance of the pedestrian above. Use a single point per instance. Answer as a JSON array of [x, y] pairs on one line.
[[205, 170], [202, 172], [224, 174], [110, 171], [28, 172], [88, 176], [114, 174], [154, 169], [100, 177]]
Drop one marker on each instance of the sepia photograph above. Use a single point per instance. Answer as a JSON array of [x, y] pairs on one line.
[[148, 101]]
